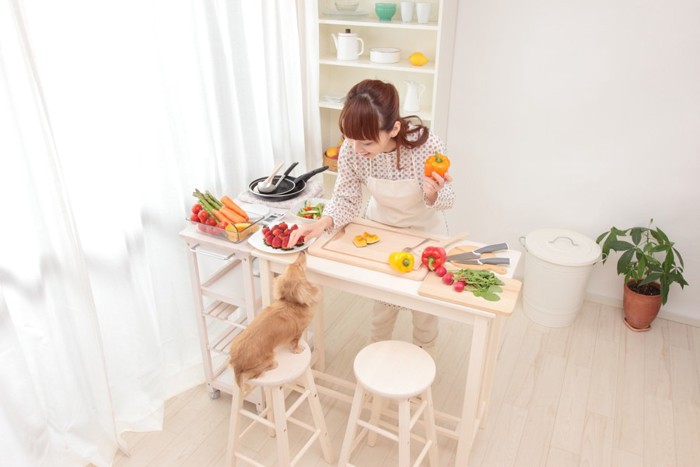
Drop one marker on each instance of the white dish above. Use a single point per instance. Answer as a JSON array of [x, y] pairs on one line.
[[255, 211], [346, 5], [384, 55], [344, 14], [334, 99], [294, 209], [257, 241]]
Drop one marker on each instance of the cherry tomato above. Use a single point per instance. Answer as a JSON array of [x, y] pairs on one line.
[[203, 215], [210, 221], [196, 208], [194, 218]]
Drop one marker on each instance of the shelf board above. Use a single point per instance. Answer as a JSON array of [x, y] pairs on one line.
[[425, 115], [371, 21], [403, 65]]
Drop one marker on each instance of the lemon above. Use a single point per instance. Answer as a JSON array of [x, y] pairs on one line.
[[418, 59]]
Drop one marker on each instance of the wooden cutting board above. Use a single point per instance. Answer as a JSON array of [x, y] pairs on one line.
[[433, 287], [339, 247]]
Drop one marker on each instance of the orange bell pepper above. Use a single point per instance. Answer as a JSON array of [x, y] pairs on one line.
[[438, 163]]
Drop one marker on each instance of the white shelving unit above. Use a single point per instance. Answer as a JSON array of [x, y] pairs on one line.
[[434, 39], [227, 297]]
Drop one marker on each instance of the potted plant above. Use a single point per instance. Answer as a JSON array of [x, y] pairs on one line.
[[650, 263]]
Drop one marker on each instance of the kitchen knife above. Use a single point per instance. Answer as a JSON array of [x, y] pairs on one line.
[[481, 260], [476, 254]]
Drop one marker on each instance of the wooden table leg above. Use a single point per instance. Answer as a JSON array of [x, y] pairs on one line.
[[475, 375], [319, 356], [494, 341], [266, 282]]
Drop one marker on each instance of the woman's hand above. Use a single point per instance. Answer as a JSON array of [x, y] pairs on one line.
[[431, 186], [310, 231]]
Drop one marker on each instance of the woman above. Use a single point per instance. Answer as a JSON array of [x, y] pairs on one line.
[[386, 153]]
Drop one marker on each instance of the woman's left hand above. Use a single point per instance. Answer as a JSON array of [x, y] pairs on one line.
[[431, 185]]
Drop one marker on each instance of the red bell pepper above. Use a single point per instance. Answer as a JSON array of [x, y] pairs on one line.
[[433, 257]]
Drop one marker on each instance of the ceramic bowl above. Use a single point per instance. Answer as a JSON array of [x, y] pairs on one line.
[[384, 55], [346, 5], [385, 11]]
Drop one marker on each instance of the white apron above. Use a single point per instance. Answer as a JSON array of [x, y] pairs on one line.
[[399, 203]]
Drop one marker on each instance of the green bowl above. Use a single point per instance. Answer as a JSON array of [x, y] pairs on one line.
[[385, 11]]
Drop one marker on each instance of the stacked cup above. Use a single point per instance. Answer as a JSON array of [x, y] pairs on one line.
[[422, 11]]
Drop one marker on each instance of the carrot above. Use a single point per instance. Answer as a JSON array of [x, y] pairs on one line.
[[228, 202], [219, 216], [233, 217]]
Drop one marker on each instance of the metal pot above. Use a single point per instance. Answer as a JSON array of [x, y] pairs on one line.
[[288, 189]]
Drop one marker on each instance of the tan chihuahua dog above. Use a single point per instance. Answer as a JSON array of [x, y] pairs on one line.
[[281, 323]]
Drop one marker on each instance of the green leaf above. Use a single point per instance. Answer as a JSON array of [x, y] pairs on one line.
[[620, 245], [623, 264]]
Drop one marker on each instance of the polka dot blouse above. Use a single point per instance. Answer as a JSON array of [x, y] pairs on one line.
[[353, 171]]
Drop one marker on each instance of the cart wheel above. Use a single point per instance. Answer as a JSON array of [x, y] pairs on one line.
[[214, 394]]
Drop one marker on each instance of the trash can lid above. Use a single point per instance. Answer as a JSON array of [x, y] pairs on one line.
[[562, 247]]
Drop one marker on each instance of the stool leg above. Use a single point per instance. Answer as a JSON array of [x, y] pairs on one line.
[[349, 439], [279, 408], [431, 434], [378, 405], [404, 432], [319, 419], [270, 414], [234, 431]]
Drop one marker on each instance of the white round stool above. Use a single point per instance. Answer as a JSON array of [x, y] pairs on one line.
[[291, 368], [398, 371]]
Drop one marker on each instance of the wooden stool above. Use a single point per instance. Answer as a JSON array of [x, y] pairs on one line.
[[398, 371], [291, 367]]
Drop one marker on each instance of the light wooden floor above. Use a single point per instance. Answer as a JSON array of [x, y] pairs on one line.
[[593, 394]]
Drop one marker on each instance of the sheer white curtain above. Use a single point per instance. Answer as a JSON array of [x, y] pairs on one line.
[[110, 114]]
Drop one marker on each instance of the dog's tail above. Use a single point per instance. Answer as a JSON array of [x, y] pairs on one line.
[[244, 374]]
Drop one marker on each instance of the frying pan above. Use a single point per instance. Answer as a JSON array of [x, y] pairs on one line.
[[288, 189]]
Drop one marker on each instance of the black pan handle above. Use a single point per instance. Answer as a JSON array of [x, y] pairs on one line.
[[308, 175], [289, 170]]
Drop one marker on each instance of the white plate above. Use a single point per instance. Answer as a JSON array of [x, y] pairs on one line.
[[344, 14], [254, 211], [257, 241], [294, 209]]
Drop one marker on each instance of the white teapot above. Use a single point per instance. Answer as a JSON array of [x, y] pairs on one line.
[[349, 45], [411, 101]]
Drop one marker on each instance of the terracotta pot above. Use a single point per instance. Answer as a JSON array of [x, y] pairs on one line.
[[640, 310]]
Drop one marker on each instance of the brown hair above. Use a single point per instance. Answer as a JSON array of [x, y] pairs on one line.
[[372, 106]]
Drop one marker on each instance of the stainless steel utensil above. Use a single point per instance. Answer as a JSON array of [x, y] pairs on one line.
[[411, 248], [476, 254], [482, 260]]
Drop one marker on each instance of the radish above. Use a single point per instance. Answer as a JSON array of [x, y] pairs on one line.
[[440, 271], [459, 286], [448, 278]]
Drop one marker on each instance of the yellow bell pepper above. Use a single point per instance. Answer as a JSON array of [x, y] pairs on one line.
[[402, 261]]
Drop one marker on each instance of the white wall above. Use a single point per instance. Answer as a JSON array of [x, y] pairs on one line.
[[579, 115]]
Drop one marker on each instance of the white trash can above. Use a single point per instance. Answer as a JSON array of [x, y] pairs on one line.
[[558, 264]]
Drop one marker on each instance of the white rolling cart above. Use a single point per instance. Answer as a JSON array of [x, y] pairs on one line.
[[226, 295]]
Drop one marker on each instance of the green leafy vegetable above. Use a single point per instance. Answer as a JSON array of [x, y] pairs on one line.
[[481, 283]]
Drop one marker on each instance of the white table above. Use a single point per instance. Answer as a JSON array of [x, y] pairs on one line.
[[486, 326]]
